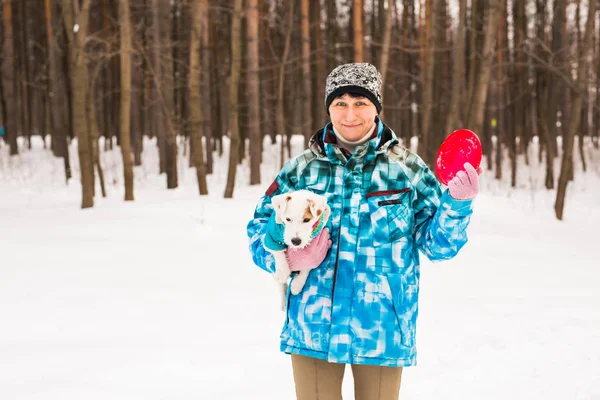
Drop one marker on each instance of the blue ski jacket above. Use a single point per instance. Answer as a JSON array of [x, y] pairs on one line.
[[360, 305]]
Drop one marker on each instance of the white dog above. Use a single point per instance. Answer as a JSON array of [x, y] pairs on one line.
[[303, 215]]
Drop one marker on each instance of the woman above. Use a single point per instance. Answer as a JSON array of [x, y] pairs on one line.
[[359, 304]]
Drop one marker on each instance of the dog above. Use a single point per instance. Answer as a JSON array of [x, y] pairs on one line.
[[302, 215]]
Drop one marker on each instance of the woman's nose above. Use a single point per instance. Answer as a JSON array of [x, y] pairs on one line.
[[350, 114]]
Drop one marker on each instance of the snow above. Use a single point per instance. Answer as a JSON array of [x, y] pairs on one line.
[[159, 299]]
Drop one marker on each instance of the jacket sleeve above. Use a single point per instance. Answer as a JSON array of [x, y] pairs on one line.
[[258, 225], [440, 220]]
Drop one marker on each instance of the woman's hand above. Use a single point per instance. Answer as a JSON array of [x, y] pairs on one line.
[[465, 185], [311, 256]]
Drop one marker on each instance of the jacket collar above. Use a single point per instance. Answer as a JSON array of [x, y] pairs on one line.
[[324, 144]]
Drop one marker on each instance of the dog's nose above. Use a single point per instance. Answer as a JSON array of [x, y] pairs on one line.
[[296, 241]]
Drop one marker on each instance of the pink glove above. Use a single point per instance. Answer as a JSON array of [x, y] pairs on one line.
[[465, 185], [312, 255]]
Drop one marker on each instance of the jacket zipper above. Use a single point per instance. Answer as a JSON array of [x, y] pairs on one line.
[[337, 258]]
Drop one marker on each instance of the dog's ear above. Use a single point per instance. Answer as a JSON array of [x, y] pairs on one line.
[[279, 204], [317, 205]]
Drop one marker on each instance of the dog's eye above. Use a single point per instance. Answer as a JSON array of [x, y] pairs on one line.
[[288, 219], [306, 220]]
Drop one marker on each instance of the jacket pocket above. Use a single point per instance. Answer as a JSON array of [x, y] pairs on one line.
[[376, 327], [390, 214], [405, 302]]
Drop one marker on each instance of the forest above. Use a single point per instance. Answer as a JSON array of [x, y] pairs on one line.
[[90, 76]]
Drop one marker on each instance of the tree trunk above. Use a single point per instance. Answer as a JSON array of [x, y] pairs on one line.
[[430, 38], [125, 114], [253, 91], [581, 87], [385, 48], [318, 77], [167, 98], [458, 72], [23, 73], [332, 36], [280, 90], [198, 22], [8, 80], [236, 47], [306, 79], [79, 85], [480, 89], [207, 86], [159, 117], [59, 125], [358, 28]]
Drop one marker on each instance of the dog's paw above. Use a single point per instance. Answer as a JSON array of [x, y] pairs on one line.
[[296, 286], [282, 275]]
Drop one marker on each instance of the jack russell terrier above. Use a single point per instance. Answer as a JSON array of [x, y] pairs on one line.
[[300, 216]]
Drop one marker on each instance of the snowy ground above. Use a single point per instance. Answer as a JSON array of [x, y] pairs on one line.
[[159, 299]]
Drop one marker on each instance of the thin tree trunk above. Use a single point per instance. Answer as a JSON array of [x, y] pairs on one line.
[[55, 85], [195, 101], [387, 36], [424, 143], [167, 97], [331, 49], [306, 76], [92, 126], [581, 86], [208, 88], [583, 130], [458, 72], [236, 47], [125, 112], [480, 90], [159, 116], [282, 65], [8, 80], [24, 73], [79, 85], [318, 87], [253, 91], [358, 28]]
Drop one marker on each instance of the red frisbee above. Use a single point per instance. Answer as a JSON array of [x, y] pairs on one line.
[[460, 147]]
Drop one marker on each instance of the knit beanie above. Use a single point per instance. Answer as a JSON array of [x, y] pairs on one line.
[[355, 78]]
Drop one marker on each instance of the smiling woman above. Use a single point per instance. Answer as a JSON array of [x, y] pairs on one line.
[[353, 118], [359, 303]]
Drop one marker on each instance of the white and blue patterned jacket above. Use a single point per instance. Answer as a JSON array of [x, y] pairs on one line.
[[360, 305]]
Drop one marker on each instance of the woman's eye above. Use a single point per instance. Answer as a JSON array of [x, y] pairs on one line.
[[288, 219], [306, 220], [340, 104], [361, 103]]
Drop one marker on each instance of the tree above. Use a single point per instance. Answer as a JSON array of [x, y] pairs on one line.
[[454, 118], [9, 83], [125, 115], [358, 27], [480, 90], [281, 81], [236, 47], [385, 47], [428, 76], [253, 92], [79, 84], [580, 84], [58, 114], [306, 79], [195, 101]]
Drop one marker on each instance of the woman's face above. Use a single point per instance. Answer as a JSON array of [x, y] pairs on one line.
[[352, 117]]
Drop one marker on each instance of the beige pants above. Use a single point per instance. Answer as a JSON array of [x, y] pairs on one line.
[[320, 380]]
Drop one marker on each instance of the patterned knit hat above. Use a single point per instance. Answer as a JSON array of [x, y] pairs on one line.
[[359, 78]]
